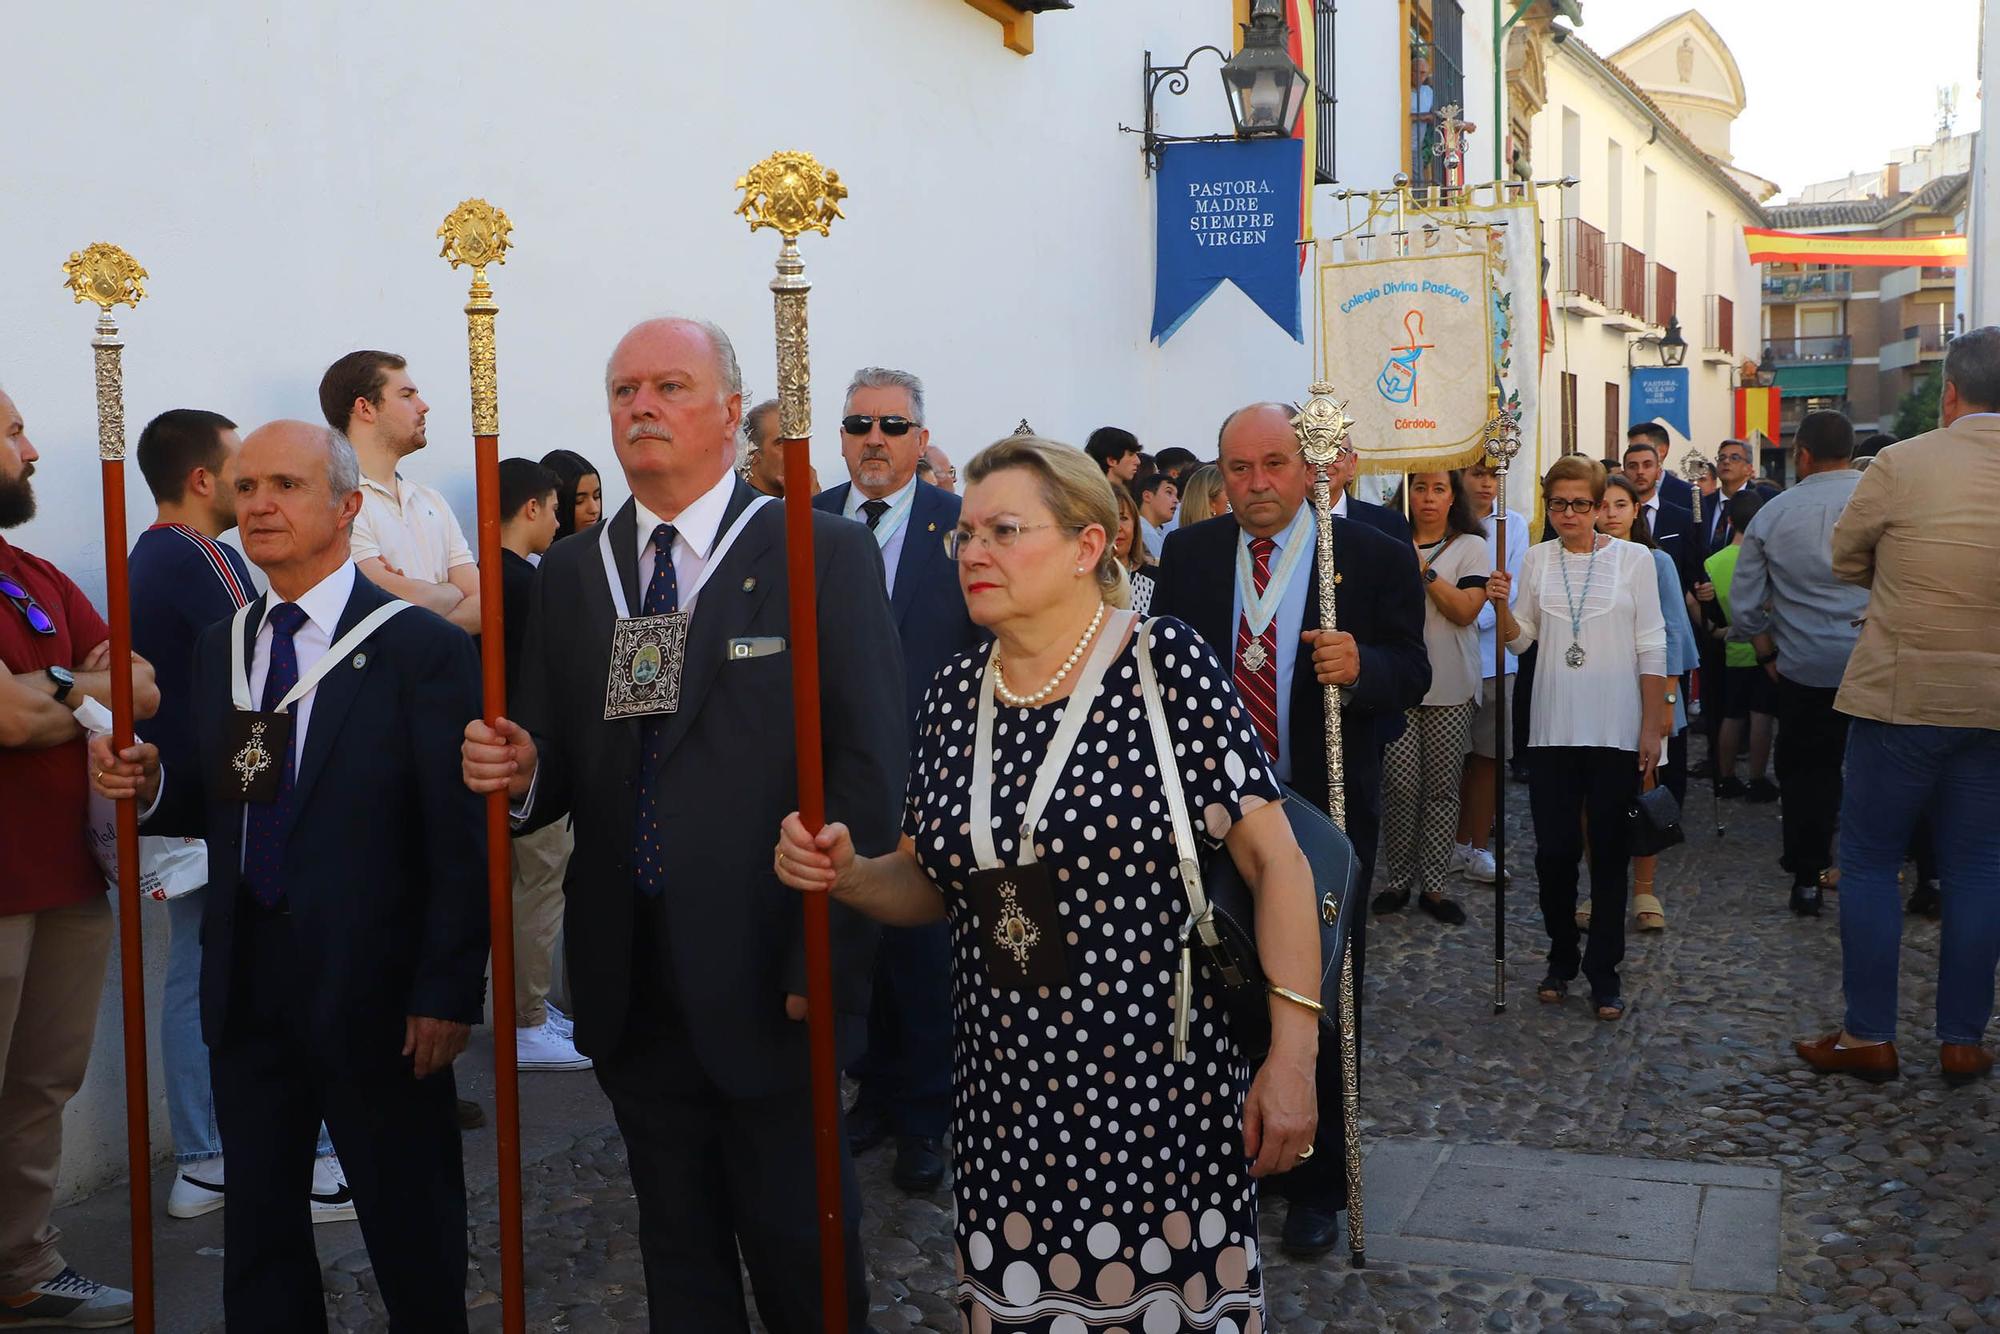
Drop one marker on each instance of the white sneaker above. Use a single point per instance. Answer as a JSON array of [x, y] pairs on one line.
[[332, 1199], [1479, 866], [1459, 852], [545, 1048], [197, 1189], [557, 1020], [67, 1301]]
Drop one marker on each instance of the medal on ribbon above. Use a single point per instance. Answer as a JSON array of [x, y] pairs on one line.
[[648, 654]]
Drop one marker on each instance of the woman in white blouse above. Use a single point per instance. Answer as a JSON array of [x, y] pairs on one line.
[[1420, 770], [1600, 715]]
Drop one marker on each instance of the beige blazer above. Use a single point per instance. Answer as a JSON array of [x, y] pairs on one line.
[[1923, 534]]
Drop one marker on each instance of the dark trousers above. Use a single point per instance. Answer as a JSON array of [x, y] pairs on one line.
[[1674, 773], [1321, 1181], [1812, 742], [715, 1174], [398, 1141], [1524, 697], [1567, 786], [906, 1072]]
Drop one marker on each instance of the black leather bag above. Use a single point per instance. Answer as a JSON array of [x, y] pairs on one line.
[[1654, 823], [1222, 922]]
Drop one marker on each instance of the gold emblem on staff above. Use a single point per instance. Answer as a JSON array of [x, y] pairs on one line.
[[253, 759], [475, 233], [792, 193], [1322, 425], [106, 275], [1016, 934]]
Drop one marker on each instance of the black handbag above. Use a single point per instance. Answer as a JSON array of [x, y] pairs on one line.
[[1221, 928], [1654, 823]]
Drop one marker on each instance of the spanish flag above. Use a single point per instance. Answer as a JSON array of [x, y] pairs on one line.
[[1888, 252], [1757, 413]]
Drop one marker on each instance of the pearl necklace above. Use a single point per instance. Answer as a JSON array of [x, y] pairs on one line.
[[1069, 664]]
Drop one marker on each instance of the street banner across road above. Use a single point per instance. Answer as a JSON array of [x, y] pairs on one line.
[[1228, 212]]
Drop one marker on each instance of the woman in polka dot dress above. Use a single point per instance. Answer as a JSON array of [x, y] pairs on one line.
[[1103, 1182]]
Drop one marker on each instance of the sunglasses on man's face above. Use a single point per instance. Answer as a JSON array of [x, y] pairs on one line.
[[860, 423], [38, 620]]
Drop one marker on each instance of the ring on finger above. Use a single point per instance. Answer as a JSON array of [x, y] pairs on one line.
[[1306, 1153]]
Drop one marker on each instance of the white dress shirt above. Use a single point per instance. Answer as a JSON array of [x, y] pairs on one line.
[[895, 523], [695, 531]]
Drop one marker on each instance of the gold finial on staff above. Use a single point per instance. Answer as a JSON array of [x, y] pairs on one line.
[[108, 276], [1696, 467], [475, 233], [792, 194], [1323, 428]]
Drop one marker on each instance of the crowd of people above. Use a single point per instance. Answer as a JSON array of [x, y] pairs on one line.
[[1041, 698]]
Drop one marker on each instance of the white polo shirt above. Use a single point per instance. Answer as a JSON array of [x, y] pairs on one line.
[[411, 528]]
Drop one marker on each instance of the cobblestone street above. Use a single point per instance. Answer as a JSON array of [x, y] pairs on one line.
[[1889, 1217]]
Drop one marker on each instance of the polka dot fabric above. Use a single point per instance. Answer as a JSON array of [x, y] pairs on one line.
[[1100, 1185]]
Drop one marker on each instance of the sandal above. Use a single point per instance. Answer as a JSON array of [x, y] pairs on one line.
[[1611, 1010], [1829, 879], [1551, 991], [1650, 913], [1583, 916]]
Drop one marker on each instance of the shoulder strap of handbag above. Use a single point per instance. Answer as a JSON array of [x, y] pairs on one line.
[[1199, 919]]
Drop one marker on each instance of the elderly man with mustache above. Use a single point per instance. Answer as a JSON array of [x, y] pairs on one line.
[[687, 960]]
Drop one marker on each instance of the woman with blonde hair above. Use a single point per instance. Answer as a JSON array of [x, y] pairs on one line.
[[1202, 495], [1600, 715], [1102, 1177], [1128, 548]]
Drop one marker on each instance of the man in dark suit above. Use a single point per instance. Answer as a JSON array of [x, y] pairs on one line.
[[1673, 488], [1671, 524], [1377, 653], [905, 1075], [686, 956], [1388, 522], [339, 974]]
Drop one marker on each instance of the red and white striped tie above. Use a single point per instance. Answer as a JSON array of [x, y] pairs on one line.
[[1259, 688]]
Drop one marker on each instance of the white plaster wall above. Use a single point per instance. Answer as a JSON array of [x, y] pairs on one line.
[[1985, 202], [281, 170]]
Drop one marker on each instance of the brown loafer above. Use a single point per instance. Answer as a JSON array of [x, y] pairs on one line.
[[1876, 1064], [1963, 1062]]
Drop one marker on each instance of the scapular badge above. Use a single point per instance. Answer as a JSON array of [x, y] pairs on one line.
[[1014, 932], [254, 758]]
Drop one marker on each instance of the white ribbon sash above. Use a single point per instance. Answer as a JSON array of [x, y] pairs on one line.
[[892, 521], [1075, 712], [1261, 610], [239, 675], [687, 595]]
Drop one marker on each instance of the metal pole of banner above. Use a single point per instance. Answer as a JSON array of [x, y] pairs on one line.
[[1697, 467], [793, 194], [1503, 442], [475, 234], [105, 275], [1322, 426]]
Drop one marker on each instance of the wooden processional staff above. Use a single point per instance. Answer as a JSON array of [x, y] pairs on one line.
[[793, 194], [475, 234], [1503, 442], [105, 275], [1322, 426]]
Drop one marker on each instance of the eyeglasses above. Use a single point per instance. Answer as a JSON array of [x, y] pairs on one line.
[[38, 620], [859, 423], [997, 537], [1572, 506]]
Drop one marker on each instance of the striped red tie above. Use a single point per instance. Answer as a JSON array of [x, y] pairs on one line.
[[1259, 687]]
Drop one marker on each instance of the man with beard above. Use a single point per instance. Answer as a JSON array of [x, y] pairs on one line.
[[55, 922], [406, 539], [687, 954]]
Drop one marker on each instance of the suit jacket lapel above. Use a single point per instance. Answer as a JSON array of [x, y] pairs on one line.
[[920, 551], [625, 552], [331, 700], [721, 610]]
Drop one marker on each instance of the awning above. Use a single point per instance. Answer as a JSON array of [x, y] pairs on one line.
[[1813, 381]]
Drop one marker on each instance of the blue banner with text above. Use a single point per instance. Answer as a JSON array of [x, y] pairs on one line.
[[1661, 395], [1228, 212]]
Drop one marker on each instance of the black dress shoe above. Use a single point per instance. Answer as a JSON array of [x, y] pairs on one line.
[[1442, 908], [1760, 792], [919, 1164], [867, 1126], [1730, 788], [471, 1115], [1309, 1232], [1806, 900], [1926, 901], [1390, 901]]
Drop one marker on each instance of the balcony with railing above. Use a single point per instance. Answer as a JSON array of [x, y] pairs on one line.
[[1718, 331], [1625, 286], [1785, 287], [1583, 267], [1662, 293], [1811, 349]]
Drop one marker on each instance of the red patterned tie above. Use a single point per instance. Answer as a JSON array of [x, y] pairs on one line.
[[1259, 687]]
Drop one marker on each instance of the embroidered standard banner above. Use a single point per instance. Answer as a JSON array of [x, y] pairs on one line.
[[1228, 212], [1408, 341], [1661, 394]]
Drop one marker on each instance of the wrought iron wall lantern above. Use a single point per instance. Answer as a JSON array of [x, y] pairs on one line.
[[1672, 345], [1264, 85]]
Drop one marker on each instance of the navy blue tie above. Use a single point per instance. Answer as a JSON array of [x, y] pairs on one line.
[[663, 596], [264, 834]]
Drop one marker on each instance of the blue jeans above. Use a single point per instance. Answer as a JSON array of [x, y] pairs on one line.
[[183, 1055], [1896, 773]]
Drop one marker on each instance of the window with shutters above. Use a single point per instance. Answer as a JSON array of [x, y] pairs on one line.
[[1323, 91]]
